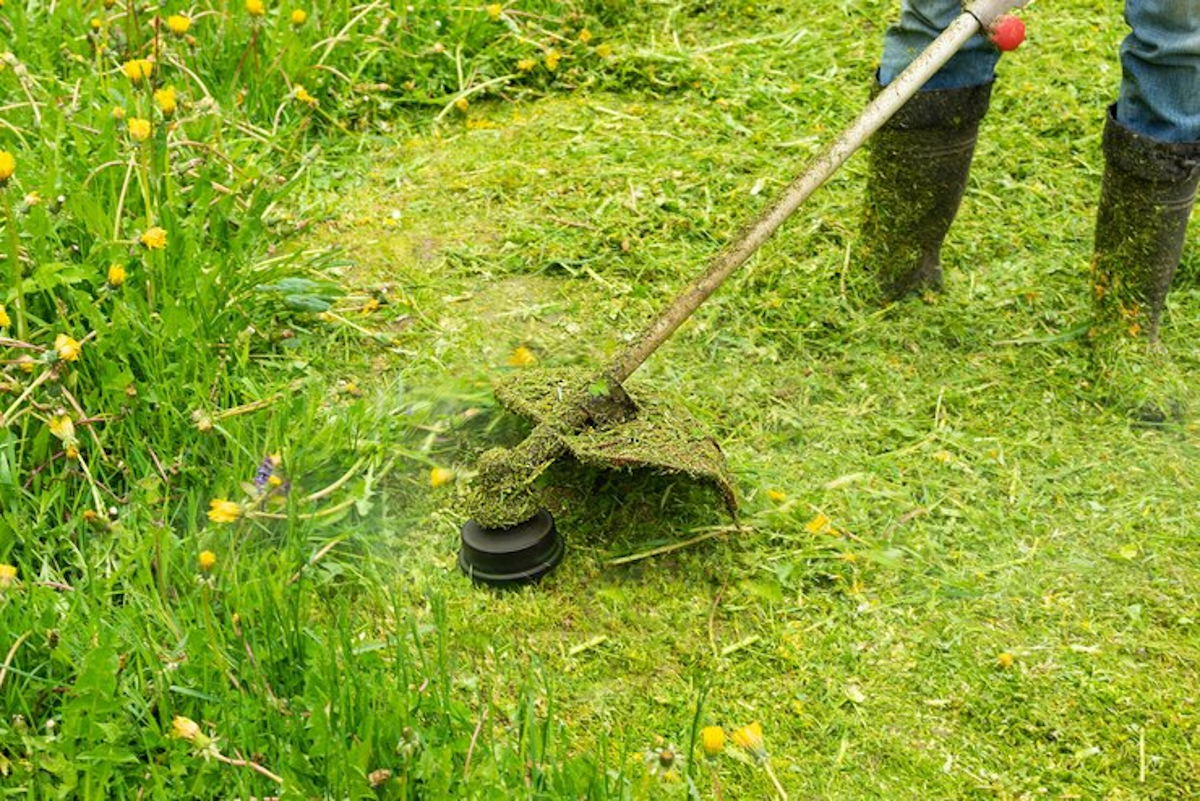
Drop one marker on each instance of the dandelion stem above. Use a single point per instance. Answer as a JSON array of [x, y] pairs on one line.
[[96, 499], [14, 260], [254, 766], [37, 382], [771, 774], [335, 486], [12, 652], [121, 199]]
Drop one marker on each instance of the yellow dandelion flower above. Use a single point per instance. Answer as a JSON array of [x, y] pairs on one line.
[[585, 36], [274, 481], [208, 561], [521, 357], [97, 23], [526, 65], [298, 17], [8, 165], [750, 738], [712, 740], [1005, 660], [139, 129], [223, 511], [604, 50], [8, 575], [61, 426], [301, 94], [372, 305], [67, 348], [118, 113], [552, 59], [5, 320], [165, 98], [116, 275], [776, 496], [494, 11], [138, 69], [153, 238], [25, 363], [72, 452], [818, 525], [439, 476], [255, 8], [178, 24], [461, 104], [184, 728]]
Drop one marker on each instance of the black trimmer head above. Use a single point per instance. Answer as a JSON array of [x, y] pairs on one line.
[[509, 556]]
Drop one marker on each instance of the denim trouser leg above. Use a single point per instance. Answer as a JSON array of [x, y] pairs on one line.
[[1160, 70], [920, 23], [1160, 61]]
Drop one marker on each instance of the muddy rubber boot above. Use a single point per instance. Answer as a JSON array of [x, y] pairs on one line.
[[919, 165], [1146, 198]]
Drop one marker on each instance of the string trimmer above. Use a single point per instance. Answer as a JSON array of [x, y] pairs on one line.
[[591, 415]]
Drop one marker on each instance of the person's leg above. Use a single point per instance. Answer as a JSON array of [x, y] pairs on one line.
[[920, 159], [1152, 167], [1160, 70], [921, 21], [1152, 163]]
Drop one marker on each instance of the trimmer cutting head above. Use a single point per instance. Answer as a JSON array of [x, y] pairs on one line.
[[599, 423]]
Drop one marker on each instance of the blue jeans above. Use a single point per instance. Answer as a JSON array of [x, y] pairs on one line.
[[1160, 61]]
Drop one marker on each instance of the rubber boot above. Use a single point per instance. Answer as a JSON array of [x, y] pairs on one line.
[[918, 171], [1146, 198]]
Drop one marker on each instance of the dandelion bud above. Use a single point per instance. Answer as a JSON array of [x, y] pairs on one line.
[[223, 511], [165, 98], [67, 348], [153, 238], [8, 165], [439, 476], [521, 357], [178, 24], [116, 275], [750, 738], [207, 561], [138, 69], [184, 728], [118, 113], [712, 740], [139, 129]]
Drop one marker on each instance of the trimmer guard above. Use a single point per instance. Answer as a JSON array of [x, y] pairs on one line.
[[657, 436]]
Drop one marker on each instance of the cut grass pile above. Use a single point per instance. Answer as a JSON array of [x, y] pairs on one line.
[[957, 573]]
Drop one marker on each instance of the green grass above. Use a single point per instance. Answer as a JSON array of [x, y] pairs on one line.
[[982, 497]]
